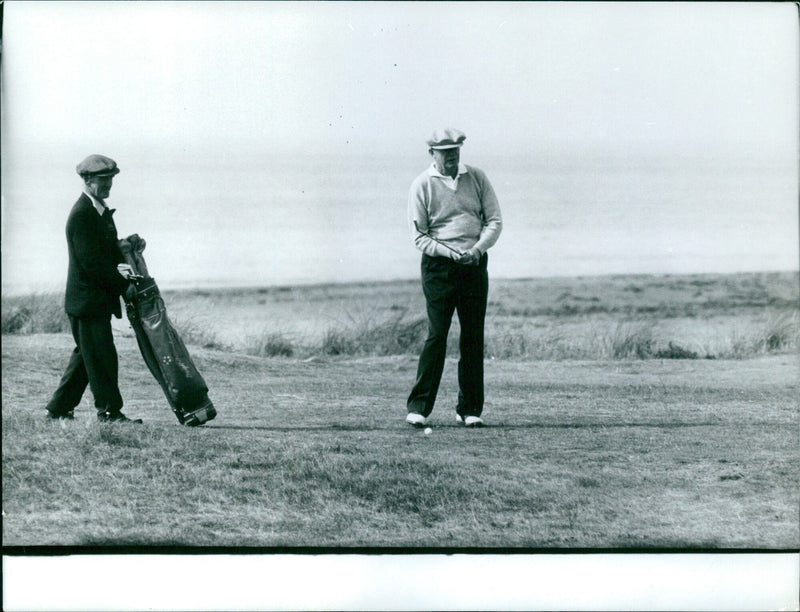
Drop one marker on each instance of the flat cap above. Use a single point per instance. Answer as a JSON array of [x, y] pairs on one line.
[[97, 165], [446, 138]]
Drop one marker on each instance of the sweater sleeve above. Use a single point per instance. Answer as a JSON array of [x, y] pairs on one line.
[[490, 211], [418, 222]]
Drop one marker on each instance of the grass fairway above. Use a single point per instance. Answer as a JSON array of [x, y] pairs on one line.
[[314, 452]]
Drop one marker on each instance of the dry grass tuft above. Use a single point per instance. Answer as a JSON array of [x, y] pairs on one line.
[[631, 340], [372, 335], [38, 313], [270, 344], [194, 331]]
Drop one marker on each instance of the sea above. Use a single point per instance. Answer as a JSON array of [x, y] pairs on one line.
[[276, 220]]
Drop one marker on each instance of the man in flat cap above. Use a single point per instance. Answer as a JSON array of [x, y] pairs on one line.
[[96, 279], [454, 218]]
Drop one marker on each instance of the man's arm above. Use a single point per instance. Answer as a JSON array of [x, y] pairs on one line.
[[92, 260], [418, 224], [492, 219]]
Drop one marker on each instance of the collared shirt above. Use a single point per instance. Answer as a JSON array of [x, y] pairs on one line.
[[99, 205], [451, 182]]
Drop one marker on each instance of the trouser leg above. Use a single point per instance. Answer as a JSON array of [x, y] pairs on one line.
[[96, 343], [439, 290], [74, 381], [473, 292]]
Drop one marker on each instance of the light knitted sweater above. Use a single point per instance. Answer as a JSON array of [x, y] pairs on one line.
[[462, 213]]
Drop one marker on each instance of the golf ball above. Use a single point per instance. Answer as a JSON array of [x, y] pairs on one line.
[[428, 431]]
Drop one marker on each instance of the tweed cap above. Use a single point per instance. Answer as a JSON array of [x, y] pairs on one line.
[[97, 165], [446, 138]]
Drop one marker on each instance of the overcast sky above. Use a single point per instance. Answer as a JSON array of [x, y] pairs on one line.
[[350, 76], [221, 85]]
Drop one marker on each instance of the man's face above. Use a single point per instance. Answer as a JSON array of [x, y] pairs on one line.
[[446, 160], [99, 186]]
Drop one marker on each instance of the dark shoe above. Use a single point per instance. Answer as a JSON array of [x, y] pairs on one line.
[[61, 416], [115, 417]]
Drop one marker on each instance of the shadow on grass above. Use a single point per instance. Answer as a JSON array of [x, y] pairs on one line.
[[518, 426], [298, 428]]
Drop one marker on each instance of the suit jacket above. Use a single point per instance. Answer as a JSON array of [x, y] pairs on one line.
[[93, 284]]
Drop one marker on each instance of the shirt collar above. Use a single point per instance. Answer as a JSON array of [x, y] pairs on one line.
[[98, 205], [432, 171]]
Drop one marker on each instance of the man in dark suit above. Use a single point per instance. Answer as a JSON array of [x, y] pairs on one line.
[[96, 279]]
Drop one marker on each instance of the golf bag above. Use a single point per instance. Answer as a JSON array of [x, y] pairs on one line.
[[161, 346]]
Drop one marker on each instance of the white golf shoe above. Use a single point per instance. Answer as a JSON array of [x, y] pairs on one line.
[[470, 421], [415, 419]]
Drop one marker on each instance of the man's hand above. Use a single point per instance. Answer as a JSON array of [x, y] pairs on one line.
[[137, 242], [125, 270], [471, 257]]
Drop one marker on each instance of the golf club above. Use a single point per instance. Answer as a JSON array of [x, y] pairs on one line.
[[459, 253]]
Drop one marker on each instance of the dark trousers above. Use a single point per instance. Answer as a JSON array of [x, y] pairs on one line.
[[449, 286], [93, 362]]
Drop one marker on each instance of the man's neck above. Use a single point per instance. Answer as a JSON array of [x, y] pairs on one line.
[[98, 203], [447, 174]]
